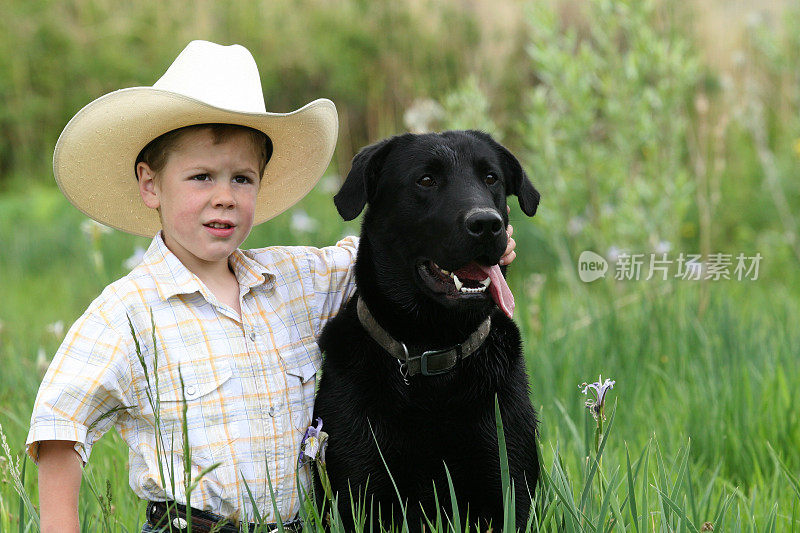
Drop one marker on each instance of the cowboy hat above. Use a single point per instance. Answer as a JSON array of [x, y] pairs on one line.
[[95, 155]]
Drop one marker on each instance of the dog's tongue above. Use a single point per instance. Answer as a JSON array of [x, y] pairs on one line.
[[500, 291]]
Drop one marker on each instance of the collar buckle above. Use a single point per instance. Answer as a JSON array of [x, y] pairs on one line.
[[425, 370]]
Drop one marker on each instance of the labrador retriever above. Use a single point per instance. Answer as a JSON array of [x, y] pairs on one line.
[[414, 361]]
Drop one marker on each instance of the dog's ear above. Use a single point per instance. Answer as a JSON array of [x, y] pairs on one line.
[[359, 186], [517, 181]]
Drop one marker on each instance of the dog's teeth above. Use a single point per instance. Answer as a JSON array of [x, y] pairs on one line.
[[457, 282], [467, 290], [486, 282]]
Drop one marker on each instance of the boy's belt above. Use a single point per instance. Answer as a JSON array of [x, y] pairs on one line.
[[171, 517]]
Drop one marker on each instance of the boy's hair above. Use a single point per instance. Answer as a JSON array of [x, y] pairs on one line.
[[156, 152]]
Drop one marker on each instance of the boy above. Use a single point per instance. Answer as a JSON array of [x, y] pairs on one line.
[[235, 332]]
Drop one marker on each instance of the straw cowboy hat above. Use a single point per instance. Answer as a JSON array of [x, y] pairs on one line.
[[95, 155]]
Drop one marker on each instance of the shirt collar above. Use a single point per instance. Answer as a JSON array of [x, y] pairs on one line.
[[173, 278], [249, 272]]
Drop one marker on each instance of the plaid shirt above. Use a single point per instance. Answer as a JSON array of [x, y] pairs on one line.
[[249, 381]]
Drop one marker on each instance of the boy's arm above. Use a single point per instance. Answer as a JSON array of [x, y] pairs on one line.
[[333, 277], [59, 484]]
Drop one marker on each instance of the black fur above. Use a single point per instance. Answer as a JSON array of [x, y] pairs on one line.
[[434, 420]]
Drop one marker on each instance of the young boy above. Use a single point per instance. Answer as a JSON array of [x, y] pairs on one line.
[[194, 160]]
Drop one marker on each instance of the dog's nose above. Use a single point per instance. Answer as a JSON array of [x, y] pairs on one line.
[[484, 223]]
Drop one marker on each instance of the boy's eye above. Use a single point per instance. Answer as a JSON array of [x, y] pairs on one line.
[[200, 177], [243, 179]]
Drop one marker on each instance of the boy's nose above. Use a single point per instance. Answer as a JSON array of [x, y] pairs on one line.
[[223, 195]]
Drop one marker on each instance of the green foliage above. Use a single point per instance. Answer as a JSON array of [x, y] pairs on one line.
[[371, 58], [605, 128], [629, 137], [720, 380]]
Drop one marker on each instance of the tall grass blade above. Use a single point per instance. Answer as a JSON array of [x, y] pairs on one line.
[[391, 478], [456, 516], [601, 516], [683, 460], [17, 478], [564, 493], [723, 511], [21, 509], [259, 521], [705, 500], [690, 493], [278, 518], [509, 510], [676, 508], [505, 477], [643, 500], [794, 482], [509, 516], [596, 463], [631, 492], [573, 429]]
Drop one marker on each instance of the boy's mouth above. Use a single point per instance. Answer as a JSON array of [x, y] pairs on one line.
[[218, 225], [221, 229]]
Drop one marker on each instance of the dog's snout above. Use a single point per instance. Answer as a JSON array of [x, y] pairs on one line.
[[484, 223]]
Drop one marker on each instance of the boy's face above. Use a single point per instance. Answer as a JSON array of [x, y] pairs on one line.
[[206, 195]]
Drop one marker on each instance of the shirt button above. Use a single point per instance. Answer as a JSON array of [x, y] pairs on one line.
[[190, 390], [252, 335], [272, 410]]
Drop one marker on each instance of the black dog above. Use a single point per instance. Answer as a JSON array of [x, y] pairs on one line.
[[431, 239]]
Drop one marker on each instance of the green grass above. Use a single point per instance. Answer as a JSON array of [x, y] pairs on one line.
[[704, 407]]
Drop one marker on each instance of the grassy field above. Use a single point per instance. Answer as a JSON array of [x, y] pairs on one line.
[[646, 125], [705, 376]]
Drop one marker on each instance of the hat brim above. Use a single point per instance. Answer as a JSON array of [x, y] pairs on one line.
[[94, 158]]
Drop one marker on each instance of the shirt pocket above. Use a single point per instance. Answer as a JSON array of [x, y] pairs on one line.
[[301, 377], [210, 420]]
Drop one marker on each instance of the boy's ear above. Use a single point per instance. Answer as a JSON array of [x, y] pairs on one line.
[[147, 185], [517, 181], [359, 186]]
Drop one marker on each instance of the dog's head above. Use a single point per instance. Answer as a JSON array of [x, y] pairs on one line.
[[436, 216]]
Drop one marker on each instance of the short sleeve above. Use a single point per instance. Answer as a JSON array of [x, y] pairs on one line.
[[332, 271], [85, 387]]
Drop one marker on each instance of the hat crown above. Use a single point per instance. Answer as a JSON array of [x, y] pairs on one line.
[[222, 76]]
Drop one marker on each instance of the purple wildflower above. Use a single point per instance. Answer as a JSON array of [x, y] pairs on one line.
[[598, 389], [313, 445]]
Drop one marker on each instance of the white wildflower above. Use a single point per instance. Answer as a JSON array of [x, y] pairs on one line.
[[42, 362], [663, 247], [56, 329], [302, 223], [131, 262], [330, 184], [93, 229], [423, 115], [613, 254]]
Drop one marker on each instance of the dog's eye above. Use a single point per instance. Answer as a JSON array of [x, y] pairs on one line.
[[490, 179], [426, 181]]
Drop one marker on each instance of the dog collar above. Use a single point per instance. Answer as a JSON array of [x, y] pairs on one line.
[[429, 362]]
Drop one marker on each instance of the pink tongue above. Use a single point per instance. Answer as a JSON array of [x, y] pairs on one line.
[[500, 291]]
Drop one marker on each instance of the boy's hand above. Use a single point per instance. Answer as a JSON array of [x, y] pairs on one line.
[[509, 254]]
